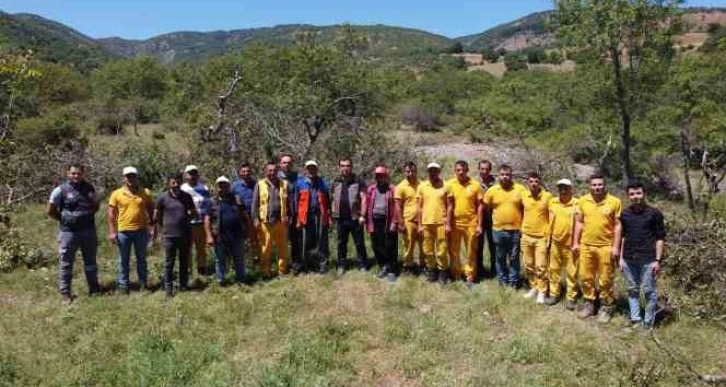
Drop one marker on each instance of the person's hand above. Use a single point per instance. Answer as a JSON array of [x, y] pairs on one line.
[[479, 230], [401, 228], [615, 253], [210, 241], [621, 265], [152, 233], [447, 228], [576, 250], [362, 220], [113, 237], [656, 268], [256, 223], [393, 228], [420, 228]]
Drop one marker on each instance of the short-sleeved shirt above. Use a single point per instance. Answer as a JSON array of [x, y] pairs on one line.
[[506, 206], [132, 214], [599, 219], [174, 212], [406, 193], [535, 222], [201, 196], [245, 192], [433, 203], [641, 229], [562, 220], [466, 197]]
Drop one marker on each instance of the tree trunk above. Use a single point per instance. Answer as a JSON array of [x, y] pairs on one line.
[[625, 118], [686, 150]]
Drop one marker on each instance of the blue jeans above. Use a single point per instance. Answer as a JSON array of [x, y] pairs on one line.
[[68, 244], [637, 275], [139, 240], [507, 245], [225, 248]]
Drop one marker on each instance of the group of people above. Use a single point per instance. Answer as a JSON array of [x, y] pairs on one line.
[[448, 222]]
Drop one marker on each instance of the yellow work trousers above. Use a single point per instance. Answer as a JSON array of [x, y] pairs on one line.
[[411, 239], [269, 233], [467, 235], [434, 247], [561, 256], [534, 255], [597, 261], [199, 244]]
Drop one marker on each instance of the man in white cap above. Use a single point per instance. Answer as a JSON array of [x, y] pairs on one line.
[[200, 195], [312, 203], [130, 213], [271, 209], [431, 212], [562, 223], [225, 226], [382, 224]]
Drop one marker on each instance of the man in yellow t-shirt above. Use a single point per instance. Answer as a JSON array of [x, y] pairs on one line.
[[562, 224], [463, 220], [130, 211], [535, 227], [504, 200], [597, 241], [431, 213], [405, 199]]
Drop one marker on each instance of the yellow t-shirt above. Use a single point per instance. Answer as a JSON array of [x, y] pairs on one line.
[[433, 200], [506, 206], [562, 220], [132, 214], [599, 219], [536, 220], [466, 200], [406, 192]]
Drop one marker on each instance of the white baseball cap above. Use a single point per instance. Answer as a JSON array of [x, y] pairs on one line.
[[311, 163], [566, 182], [130, 171], [433, 165], [190, 168], [222, 179]]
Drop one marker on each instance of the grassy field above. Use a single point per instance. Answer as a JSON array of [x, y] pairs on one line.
[[327, 330]]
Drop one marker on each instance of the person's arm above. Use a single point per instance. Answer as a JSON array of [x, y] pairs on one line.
[[480, 217], [53, 203], [256, 205], [577, 234], [419, 211], [660, 235], [150, 214], [363, 202], [617, 238], [208, 230], [449, 214], [398, 214], [112, 214]]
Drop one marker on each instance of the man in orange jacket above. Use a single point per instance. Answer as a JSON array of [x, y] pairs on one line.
[[312, 202]]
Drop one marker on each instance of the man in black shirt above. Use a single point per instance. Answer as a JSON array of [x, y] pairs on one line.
[[643, 245], [174, 209], [349, 195]]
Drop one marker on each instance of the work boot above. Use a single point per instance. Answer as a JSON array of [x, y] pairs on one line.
[[530, 294], [541, 299], [605, 314], [571, 305], [94, 289], [587, 310], [66, 299], [444, 277], [383, 272], [551, 301], [431, 276]]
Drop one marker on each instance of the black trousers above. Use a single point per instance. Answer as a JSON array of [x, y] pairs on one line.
[[492, 272], [385, 245], [346, 228], [176, 247]]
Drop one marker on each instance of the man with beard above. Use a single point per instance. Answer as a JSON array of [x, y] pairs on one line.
[[349, 195], [287, 172], [487, 180]]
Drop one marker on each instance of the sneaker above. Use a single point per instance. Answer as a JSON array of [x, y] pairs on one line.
[[431, 276], [364, 269], [341, 270], [296, 270], [571, 305], [587, 310], [605, 314], [66, 299], [383, 272], [391, 277], [531, 293], [551, 301], [443, 277], [541, 299]]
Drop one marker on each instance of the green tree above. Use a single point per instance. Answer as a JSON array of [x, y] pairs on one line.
[[633, 38]]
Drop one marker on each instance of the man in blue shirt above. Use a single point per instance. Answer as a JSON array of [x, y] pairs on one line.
[[312, 203], [244, 189]]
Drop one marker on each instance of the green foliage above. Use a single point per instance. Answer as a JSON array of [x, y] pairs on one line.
[[515, 61], [54, 128]]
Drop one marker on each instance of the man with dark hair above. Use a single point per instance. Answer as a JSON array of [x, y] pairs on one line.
[[405, 199], [504, 200], [643, 245], [487, 180], [348, 204], [535, 230], [286, 165], [271, 211], [431, 212], [201, 196], [244, 188], [73, 204], [464, 215], [597, 242], [225, 225], [174, 209]]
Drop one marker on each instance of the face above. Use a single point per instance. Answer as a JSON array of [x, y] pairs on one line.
[[381, 178], [286, 163], [131, 180], [636, 195], [434, 174], [564, 190], [245, 173], [597, 186], [223, 188], [271, 171], [409, 172], [460, 171], [485, 169], [312, 171], [505, 176], [75, 175], [534, 184], [193, 177], [345, 167], [173, 185]]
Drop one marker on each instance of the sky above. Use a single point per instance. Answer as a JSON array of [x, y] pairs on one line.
[[141, 19]]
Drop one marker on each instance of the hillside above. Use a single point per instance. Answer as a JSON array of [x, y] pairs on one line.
[[182, 46], [50, 41]]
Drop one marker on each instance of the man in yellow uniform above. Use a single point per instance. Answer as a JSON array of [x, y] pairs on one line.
[[597, 241], [535, 227], [562, 224], [271, 214], [431, 213], [463, 220], [405, 199], [504, 200]]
